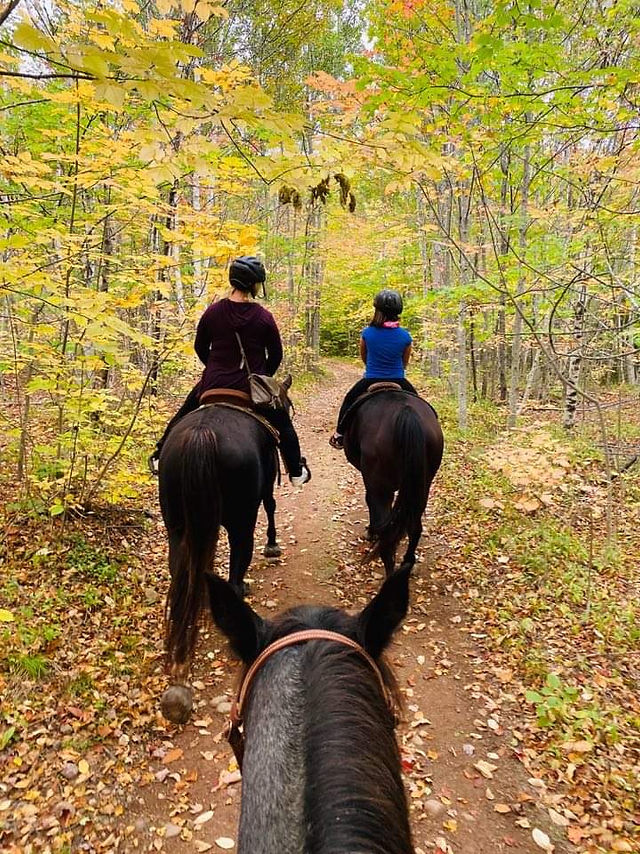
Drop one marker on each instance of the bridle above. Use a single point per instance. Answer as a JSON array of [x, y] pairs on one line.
[[234, 732]]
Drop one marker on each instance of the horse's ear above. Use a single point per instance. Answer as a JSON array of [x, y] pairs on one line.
[[237, 620], [286, 382], [385, 612]]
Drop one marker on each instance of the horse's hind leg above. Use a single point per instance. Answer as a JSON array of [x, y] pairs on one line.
[[177, 700], [272, 549], [414, 531], [241, 535], [379, 502], [409, 559]]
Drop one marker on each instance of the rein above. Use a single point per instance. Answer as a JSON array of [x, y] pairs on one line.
[[234, 732]]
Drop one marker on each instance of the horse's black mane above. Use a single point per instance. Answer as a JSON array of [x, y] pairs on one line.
[[354, 799]]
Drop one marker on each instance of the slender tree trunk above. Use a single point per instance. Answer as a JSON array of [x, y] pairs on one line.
[[104, 271], [516, 344], [462, 365], [504, 251], [313, 271], [472, 356], [575, 360]]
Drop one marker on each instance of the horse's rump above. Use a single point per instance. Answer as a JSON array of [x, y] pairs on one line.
[[396, 441], [216, 467]]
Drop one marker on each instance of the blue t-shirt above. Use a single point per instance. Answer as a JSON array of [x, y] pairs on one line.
[[385, 346]]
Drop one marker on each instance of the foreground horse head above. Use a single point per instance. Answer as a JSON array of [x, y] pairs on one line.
[[321, 767], [396, 441], [216, 468]]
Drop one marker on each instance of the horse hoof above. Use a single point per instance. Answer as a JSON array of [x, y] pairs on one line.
[[272, 550], [241, 589], [176, 704]]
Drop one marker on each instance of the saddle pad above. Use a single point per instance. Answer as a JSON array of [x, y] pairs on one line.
[[247, 411]]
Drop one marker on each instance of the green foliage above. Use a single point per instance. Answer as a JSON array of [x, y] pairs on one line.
[[92, 563], [33, 667], [554, 702]]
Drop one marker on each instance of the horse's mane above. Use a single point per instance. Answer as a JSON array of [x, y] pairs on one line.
[[354, 800]]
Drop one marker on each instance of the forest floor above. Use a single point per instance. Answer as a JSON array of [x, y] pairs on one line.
[[518, 660]]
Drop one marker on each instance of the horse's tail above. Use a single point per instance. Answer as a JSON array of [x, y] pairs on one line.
[[411, 499], [199, 494]]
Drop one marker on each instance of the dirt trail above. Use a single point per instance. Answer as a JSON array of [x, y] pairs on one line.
[[451, 722]]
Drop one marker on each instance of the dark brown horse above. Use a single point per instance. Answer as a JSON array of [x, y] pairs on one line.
[[321, 769], [216, 468], [394, 439]]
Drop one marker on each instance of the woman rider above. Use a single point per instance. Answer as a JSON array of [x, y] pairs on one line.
[[217, 348], [385, 349]]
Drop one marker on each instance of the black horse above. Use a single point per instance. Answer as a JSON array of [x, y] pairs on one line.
[[321, 768], [216, 468], [394, 439]]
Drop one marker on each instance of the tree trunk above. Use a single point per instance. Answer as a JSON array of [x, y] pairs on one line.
[[516, 344], [575, 360], [462, 366]]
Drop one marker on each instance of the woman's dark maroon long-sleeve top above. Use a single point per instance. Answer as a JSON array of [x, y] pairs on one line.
[[217, 346]]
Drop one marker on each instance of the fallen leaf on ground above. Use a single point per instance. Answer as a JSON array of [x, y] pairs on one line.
[[557, 818], [485, 768], [541, 839], [577, 746]]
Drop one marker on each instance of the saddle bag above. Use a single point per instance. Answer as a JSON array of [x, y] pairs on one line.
[[265, 390]]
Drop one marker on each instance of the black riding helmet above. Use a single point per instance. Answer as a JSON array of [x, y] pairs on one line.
[[388, 302], [246, 272]]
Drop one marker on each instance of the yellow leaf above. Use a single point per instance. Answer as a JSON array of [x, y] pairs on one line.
[[83, 766], [114, 95], [451, 825], [6, 616], [163, 27], [30, 38], [621, 845]]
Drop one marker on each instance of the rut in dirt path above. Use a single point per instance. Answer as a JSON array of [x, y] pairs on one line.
[[467, 791]]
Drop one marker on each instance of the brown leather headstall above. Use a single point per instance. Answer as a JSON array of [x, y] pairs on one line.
[[234, 732]]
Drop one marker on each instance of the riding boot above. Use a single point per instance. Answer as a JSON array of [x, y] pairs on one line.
[[295, 464]]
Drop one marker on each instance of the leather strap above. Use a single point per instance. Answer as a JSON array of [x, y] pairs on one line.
[[244, 362], [234, 734]]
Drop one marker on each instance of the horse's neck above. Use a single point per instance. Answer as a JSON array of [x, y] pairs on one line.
[[273, 777], [321, 772]]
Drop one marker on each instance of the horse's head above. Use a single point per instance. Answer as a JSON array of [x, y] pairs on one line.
[[249, 633], [316, 697]]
